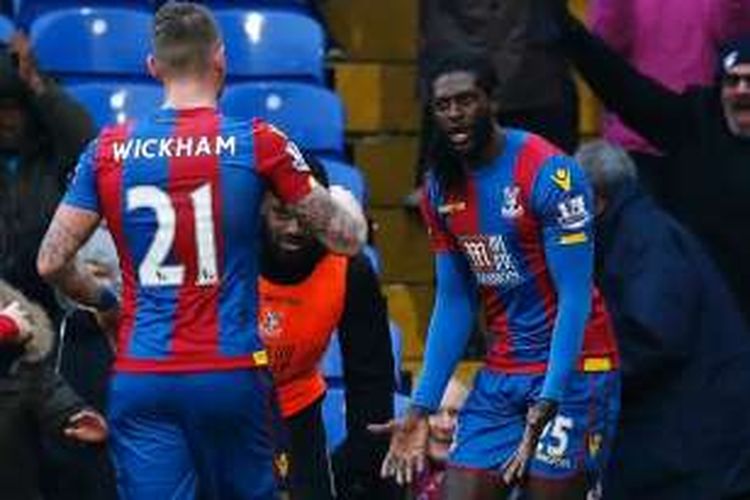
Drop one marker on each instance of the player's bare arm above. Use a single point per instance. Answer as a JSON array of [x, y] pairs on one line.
[[335, 219], [56, 262]]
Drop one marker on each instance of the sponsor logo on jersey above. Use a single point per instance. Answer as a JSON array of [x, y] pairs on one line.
[[490, 260], [572, 213], [174, 147], [512, 207], [561, 177], [451, 208]]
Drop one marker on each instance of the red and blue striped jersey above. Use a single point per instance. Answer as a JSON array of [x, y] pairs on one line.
[[501, 220], [181, 194]]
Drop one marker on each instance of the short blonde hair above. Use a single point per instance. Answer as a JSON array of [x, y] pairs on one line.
[[184, 35]]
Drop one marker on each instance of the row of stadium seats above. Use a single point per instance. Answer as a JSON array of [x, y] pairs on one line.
[[82, 44], [25, 11], [311, 115]]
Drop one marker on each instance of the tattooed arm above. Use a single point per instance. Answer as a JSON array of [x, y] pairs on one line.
[[56, 262], [335, 218]]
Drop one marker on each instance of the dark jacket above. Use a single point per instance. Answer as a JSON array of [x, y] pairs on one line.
[[84, 358], [367, 356], [33, 400], [32, 183], [369, 382], [516, 35], [685, 359], [708, 184]]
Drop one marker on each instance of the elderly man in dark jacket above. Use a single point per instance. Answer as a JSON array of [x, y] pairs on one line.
[[33, 398], [685, 350], [706, 131], [42, 132]]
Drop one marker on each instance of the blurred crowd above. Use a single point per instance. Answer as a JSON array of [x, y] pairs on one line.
[[671, 176]]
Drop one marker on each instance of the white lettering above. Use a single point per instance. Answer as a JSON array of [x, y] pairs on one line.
[[170, 147], [145, 148], [165, 147], [490, 260], [204, 148], [184, 146], [121, 150], [223, 144]]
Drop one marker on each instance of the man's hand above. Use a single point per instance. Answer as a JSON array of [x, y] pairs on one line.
[[408, 449], [537, 419], [87, 426], [21, 318]]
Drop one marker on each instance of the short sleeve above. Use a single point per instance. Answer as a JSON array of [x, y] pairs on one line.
[[562, 201], [441, 240], [280, 162], [82, 192]]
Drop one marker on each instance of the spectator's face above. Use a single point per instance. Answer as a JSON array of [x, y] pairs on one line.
[[12, 124], [288, 238], [443, 423], [462, 113], [735, 96]]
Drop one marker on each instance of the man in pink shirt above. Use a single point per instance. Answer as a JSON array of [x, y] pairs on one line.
[[672, 41]]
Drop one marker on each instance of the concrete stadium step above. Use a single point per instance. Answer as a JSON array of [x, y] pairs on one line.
[[368, 30], [379, 98], [589, 109], [402, 241], [389, 163], [409, 306]]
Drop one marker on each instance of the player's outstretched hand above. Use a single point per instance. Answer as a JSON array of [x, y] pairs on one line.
[[87, 426], [406, 455], [537, 418]]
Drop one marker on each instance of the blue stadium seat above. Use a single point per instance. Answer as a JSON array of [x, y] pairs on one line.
[[312, 116], [372, 253], [109, 103], [272, 44], [6, 29], [301, 5], [332, 363], [348, 176], [334, 415], [26, 11], [84, 44]]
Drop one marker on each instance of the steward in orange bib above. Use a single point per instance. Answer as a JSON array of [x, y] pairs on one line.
[[305, 295]]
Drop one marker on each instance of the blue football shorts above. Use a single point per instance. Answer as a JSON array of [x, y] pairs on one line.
[[193, 435], [578, 440]]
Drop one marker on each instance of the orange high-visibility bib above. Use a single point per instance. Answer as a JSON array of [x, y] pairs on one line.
[[296, 322]]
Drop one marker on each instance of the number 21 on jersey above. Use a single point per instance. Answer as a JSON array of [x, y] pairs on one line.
[[153, 271]]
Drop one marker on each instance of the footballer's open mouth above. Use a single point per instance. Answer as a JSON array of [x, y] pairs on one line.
[[460, 138]]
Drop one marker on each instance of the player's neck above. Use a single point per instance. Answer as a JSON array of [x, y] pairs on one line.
[[187, 94], [289, 271], [490, 151]]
